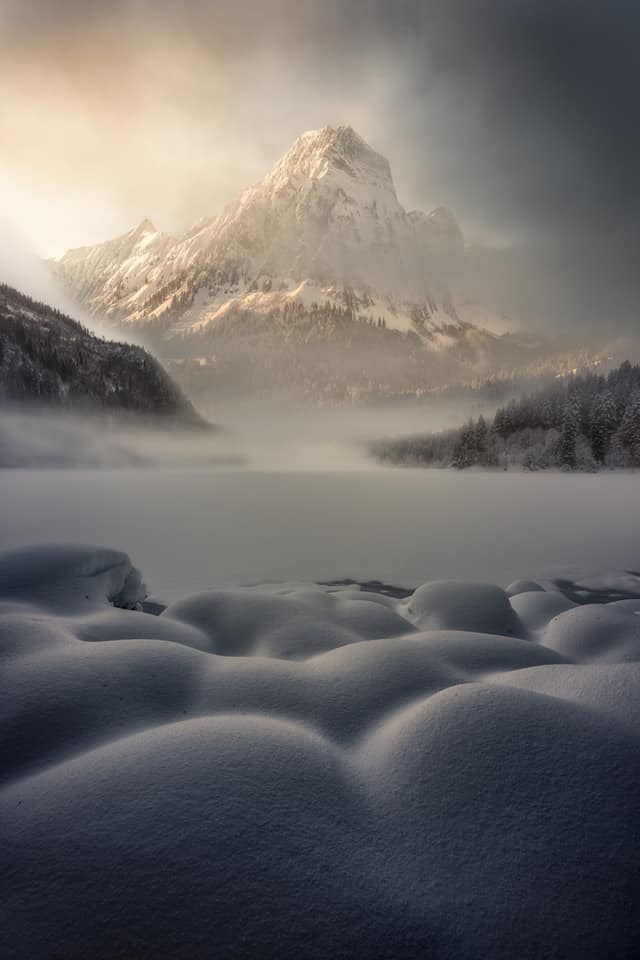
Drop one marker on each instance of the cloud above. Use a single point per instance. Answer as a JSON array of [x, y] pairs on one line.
[[519, 114]]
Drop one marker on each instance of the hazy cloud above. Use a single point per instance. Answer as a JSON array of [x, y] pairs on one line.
[[519, 114]]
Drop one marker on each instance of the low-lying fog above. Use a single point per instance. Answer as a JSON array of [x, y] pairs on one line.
[[277, 436], [294, 496], [42, 439], [263, 436]]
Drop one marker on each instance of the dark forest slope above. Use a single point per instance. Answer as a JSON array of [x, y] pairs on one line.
[[48, 358]]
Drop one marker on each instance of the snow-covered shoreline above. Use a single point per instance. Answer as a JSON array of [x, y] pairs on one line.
[[297, 770]]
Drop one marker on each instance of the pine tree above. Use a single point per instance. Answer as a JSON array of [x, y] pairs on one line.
[[547, 414], [569, 435], [629, 432], [465, 452], [602, 424], [481, 438]]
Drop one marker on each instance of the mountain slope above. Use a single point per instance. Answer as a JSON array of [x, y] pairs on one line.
[[325, 220], [314, 282], [47, 357]]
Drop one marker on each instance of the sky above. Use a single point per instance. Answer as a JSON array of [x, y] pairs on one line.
[[520, 115]]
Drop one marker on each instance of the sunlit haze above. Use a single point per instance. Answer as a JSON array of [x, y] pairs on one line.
[[523, 123]]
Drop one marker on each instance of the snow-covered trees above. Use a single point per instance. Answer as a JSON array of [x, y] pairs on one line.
[[630, 428], [578, 423], [602, 424], [465, 452], [569, 434]]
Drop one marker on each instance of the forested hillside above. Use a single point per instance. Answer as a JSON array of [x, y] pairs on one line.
[[48, 358], [585, 422]]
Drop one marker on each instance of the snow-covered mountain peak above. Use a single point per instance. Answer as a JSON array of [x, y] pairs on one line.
[[327, 212], [323, 226], [145, 226], [334, 150]]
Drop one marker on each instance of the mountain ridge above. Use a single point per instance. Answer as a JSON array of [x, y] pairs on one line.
[[326, 218]]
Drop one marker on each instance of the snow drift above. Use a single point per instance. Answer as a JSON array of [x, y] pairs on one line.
[[306, 771]]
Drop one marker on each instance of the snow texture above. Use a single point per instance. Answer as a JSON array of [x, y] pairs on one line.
[[302, 771]]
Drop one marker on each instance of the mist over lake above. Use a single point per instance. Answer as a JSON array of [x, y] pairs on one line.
[[191, 529]]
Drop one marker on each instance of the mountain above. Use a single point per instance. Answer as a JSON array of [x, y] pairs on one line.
[[48, 358], [320, 247], [325, 220]]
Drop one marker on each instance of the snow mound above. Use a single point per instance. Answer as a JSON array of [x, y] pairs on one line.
[[523, 586], [613, 689], [298, 624], [596, 632], [67, 575], [295, 770], [451, 605], [536, 608]]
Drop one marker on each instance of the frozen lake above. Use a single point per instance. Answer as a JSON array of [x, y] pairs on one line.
[[190, 529]]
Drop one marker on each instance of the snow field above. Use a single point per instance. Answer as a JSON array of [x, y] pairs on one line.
[[303, 771]]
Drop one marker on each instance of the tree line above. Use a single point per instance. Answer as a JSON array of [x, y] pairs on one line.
[[585, 422]]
